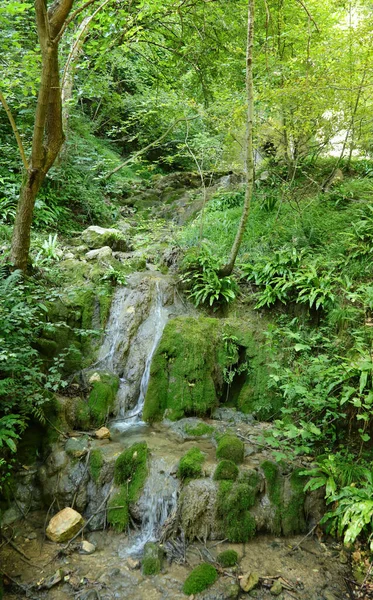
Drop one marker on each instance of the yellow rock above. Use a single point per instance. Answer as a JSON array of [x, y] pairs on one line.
[[64, 525]]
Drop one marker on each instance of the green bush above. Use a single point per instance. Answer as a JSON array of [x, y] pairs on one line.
[[190, 465], [226, 469], [228, 558], [231, 448], [200, 579]]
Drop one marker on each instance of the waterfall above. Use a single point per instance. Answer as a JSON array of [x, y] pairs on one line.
[[158, 501]]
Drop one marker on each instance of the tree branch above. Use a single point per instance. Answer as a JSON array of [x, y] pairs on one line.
[[308, 14], [71, 18], [15, 130]]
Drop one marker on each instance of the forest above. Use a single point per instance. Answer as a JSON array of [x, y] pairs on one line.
[[186, 299]]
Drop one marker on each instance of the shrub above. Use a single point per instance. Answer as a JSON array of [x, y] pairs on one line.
[[231, 448], [200, 579], [228, 558], [226, 469], [190, 465]]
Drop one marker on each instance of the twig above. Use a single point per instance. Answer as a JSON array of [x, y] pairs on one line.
[[303, 539], [24, 557], [15, 130]]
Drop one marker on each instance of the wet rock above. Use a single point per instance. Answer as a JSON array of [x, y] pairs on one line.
[[276, 589], [87, 548], [221, 590], [152, 559], [54, 580], [133, 564], [230, 415], [103, 433], [98, 237], [64, 525], [77, 447], [197, 509], [249, 581], [99, 254]]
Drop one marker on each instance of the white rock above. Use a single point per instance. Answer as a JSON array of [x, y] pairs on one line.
[[87, 547], [64, 525], [99, 254]]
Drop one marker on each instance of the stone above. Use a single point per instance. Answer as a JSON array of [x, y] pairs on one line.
[[276, 589], [76, 447], [95, 377], [64, 525], [97, 237], [103, 433], [99, 254], [152, 559], [69, 256], [133, 564], [249, 581], [328, 595], [87, 548]]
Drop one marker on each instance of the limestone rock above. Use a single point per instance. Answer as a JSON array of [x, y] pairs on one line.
[[133, 564], [97, 237], [249, 581], [100, 253], [87, 548], [103, 433], [76, 447], [276, 589], [152, 559], [64, 525], [198, 510]]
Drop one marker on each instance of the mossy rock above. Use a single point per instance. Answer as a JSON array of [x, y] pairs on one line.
[[231, 448], [228, 558], [226, 469], [199, 430], [235, 499], [130, 472], [152, 560], [96, 462], [102, 397], [200, 579], [190, 465]]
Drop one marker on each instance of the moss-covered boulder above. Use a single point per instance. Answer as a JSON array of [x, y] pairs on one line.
[[151, 563], [190, 465], [101, 399], [226, 469], [228, 558], [189, 369], [130, 474], [200, 579], [235, 499], [97, 237], [96, 463], [230, 447]]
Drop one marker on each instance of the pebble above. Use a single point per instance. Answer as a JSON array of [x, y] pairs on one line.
[[87, 548], [276, 589]]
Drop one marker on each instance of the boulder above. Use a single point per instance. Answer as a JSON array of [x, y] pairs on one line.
[[97, 237], [99, 254], [77, 447], [103, 433], [152, 559], [64, 525]]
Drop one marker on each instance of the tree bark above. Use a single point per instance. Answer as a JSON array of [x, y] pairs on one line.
[[48, 132], [249, 154]]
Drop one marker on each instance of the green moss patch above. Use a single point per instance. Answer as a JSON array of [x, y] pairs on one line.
[[233, 509], [226, 469], [190, 465], [199, 430], [130, 472], [101, 399], [96, 462], [152, 559], [228, 558], [231, 448], [200, 579]]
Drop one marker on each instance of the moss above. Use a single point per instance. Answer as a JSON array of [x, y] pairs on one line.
[[199, 430], [82, 415], [47, 348], [131, 466], [130, 472], [118, 518], [231, 448], [293, 520], [101, 398], [226, 469], [228, 558], [200, 579], [233, 508], [95, 464], [190, 465], [274, 489], [152, 560]]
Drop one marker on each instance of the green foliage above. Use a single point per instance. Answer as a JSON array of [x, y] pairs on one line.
[[114, 276], [200, 579], [222, 201], [231, 448], [190, 465], [202, 281], [48, 251], [228, 558], [226, 469]]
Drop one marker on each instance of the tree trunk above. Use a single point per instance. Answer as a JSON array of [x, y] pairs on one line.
[[249, 154], [48, 132]]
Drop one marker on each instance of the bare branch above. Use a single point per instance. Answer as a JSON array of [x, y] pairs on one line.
[[15, 130], [71, 18]]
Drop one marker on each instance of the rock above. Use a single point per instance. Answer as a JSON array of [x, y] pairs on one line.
[[102, 434], [328, 595], [54, 580], [87, 548], [198, 510], [76, 447], [221, 590], [276, 589], [343, 558], [249, 581], [95, 377], [64, 525], [99, 254], [97, 237], [133, 564], [69, 256], [152, 559]]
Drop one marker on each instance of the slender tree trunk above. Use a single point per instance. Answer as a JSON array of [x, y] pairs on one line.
[[249, 153], [48, 132]]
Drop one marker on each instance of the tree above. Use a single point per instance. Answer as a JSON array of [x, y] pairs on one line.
[[249, 151]]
